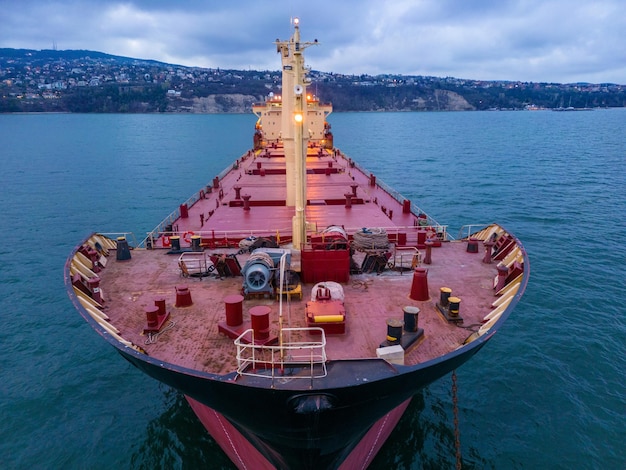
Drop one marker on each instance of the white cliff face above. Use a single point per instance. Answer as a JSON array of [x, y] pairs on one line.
[[453, 101], [235, 103], [441, 100]]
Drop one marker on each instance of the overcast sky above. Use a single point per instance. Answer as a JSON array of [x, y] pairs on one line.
[[561, 41]]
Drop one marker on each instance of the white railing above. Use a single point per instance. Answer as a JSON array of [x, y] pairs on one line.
[[130, 237], [217, 235], [466, 230], [175, 215], [440, 230], [285, 232], [392, 192], [301, 354], [165, 224]]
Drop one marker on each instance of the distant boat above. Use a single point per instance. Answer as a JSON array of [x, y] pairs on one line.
[[296, 300], [571, 108]]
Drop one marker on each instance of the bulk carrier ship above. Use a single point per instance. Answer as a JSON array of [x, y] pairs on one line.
[[296, 300]]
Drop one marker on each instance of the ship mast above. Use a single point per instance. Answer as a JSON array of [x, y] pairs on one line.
[[294, 118]]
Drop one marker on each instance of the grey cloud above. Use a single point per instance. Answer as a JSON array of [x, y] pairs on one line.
[[532, 40]]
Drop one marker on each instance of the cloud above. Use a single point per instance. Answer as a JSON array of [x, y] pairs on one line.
[[530, 40]]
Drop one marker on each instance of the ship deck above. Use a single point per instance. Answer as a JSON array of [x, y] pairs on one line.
[[191, 338], [370, 299]]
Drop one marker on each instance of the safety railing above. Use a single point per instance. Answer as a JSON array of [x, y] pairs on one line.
[[175, 215], [295, 355], [130, 237], [440, 230], [392, 192], [217, 237], [405, 258], [467, 230], [231, 237]]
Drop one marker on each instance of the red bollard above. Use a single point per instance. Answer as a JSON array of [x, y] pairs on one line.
[[429, 249], [183, 297], [488, 248], [503, 272], [94, 287], [246, 201], [234, 309]]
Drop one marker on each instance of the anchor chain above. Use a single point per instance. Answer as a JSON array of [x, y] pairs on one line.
[[457, 433]]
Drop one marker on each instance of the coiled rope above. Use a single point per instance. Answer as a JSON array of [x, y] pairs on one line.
[[261, 257], [359, 284], [370, 239], [153, 337]]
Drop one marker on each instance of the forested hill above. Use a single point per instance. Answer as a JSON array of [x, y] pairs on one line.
[[89, 81]]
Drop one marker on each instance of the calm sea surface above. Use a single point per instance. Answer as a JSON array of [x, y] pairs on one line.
[[548, 391]]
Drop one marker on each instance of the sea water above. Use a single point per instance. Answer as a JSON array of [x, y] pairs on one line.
[[548, 391]]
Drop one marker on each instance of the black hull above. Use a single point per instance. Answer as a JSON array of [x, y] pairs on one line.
[[314, 437]]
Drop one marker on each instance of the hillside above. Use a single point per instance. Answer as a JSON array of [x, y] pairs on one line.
[[90, 81]]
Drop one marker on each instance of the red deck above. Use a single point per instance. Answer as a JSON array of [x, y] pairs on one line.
[[129, 288], [224, 215]]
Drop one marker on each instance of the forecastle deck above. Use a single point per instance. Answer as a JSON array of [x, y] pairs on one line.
[[339, 193]]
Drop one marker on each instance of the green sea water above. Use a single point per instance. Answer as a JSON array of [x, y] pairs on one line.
[[548, 391]]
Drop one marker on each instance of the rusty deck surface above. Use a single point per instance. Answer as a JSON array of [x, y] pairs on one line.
[[130, 287]]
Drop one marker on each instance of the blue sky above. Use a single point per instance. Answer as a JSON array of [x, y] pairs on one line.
[[561, 41]]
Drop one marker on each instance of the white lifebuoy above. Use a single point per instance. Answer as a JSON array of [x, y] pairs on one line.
[[187, 236], [166, 241]]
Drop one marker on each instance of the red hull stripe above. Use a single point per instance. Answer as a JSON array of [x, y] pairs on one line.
[[239, 450]]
